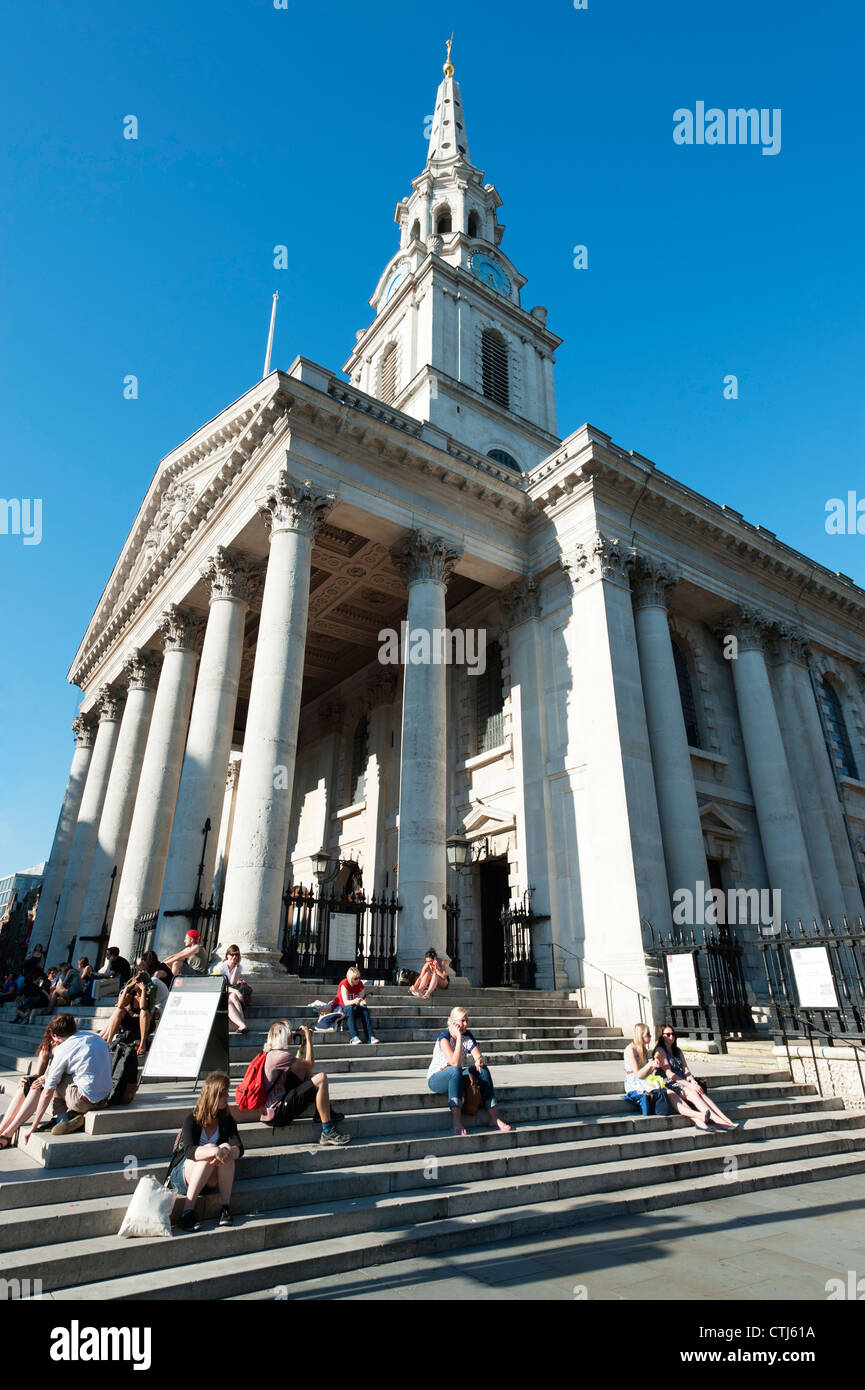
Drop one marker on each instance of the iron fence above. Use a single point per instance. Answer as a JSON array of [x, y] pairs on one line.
[[816, 979], [719, 1006], [518, 923], [452, 911], [306, 933]]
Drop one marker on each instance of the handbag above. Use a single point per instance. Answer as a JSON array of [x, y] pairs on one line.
[[472, 1094]]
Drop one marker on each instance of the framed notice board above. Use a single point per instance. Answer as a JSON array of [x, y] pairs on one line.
[[192, 1036]]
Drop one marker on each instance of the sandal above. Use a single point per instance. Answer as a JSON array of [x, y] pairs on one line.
[[5, 1142]]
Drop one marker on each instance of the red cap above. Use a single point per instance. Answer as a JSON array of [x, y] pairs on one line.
[[194, 933]]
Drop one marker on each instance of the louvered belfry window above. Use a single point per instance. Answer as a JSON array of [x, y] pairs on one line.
[[838, 731], [387, 389], [490, 702], [494, 367]]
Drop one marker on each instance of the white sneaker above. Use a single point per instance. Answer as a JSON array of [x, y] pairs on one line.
[[355, 1041], [373, 1041]]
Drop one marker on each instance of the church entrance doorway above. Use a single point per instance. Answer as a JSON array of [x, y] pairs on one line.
[[495, 895]]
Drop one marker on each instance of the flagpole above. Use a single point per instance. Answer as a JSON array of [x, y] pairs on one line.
[[266, 371]]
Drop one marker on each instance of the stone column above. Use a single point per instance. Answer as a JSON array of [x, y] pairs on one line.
[[536, 869], [208, 747], [109, 703], [254, 883], [84, 728], [141, 671], [426, 563], [620, 872], [784, 847], [820, 807], [147, 847], [382, 694], [226, 824], [681, 830]]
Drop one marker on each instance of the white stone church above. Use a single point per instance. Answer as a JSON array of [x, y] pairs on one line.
[[671, 698]]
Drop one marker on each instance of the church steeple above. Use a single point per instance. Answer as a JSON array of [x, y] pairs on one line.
[[448, 140], [450, 342]]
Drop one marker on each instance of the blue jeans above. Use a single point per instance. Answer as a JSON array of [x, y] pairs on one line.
[[349, 1011], [450, 1080], [650, 1102]]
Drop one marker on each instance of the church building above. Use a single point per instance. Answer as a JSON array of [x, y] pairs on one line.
[[518, 697]]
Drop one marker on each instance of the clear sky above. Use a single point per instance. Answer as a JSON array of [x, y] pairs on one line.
[[303, 126]]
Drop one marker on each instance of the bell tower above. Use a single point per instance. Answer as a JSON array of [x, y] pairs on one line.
[[450, 342]]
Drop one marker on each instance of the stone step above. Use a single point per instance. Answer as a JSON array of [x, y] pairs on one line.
[[363, 1060], [392, 1055], [302, 1176], [421, 1136], [64, 1265], [150, 1136]]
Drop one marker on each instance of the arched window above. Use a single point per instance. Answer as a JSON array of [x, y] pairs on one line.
[[415, 230], [686, 695], [443, 221], [359, 759], [474, 224], [501, 456], [494, 367], [489, 702], [387, 375], [838, 730]]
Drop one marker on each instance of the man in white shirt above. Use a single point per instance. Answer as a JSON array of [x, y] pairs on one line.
[[78, 1078]]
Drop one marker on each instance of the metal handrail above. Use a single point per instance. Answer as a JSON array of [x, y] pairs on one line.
[[810, 1028], [643, 998]]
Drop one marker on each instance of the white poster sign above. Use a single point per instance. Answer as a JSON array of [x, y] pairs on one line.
[[184, 1029], [342, 939], [814, 984], [682, 977]]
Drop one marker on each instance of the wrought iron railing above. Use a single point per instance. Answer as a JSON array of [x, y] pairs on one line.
[[836, 974], [721, 1006], [142, 936], [520, 967], [452, 912], [307, 938], [610, 984]]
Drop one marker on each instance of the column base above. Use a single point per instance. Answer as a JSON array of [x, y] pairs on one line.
[[260, 961]]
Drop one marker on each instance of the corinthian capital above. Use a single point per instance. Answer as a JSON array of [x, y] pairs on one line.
[[84, 729], [110, 700], [181, 630], [790, 644], [522, 601], [748, 625], [651, 581], [293, 506], [232, 576], [141, 670], [423, 558], [599, 558]]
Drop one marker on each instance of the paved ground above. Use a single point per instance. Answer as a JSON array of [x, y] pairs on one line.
[[784, 1243]]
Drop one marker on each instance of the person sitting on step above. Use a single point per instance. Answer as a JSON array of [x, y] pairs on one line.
[[433, 976], [685, 1094], [67, 986], [160, 977], [32, 992], [11, 1120], [134, 1012], [295, 1080], [211, 1146], [455, 1046], [78, 1079], [191, 959], [238, 990], [88, 975], [116, 967], [644, 1085], [352, 998]]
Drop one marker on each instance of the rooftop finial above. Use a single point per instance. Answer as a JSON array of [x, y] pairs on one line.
[[449, 67]]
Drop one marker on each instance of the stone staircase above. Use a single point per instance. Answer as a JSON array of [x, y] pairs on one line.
[[405, 1185]]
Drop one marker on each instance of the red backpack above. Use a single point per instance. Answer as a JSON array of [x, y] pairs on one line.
[[251, 1094]]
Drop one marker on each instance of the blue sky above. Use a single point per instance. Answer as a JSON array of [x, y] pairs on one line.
[[303, 126]]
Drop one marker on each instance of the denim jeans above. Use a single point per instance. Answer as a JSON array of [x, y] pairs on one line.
[[349, 1011], [650, 1102], [450, 1080]]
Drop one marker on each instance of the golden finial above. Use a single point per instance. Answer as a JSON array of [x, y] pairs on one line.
[[449, 67]]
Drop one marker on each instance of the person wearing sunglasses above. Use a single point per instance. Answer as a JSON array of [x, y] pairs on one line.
[[683, 1090]]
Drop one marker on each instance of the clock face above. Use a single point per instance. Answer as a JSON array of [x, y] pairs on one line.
[[395, 282], [489, 272]]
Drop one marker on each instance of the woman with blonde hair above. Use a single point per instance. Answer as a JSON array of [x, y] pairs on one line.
[[644, 1085], [293, 1084], [445, 1075], [211, 1145], [352, 1001]]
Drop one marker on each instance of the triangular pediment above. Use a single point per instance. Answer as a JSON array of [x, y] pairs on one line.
[[485, 821], [719, 821]]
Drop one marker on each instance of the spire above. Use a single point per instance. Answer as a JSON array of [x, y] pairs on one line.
[[448, 139]]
